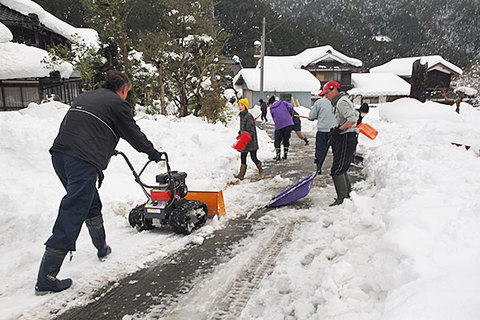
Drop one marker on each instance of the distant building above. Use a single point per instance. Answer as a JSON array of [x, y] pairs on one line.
[[234, 64], [28, 29], [324, 62], [287, 84], [439, 72], [26, 33], [377, 88]]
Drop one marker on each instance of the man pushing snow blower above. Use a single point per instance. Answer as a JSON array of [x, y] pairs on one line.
[[81, 151]]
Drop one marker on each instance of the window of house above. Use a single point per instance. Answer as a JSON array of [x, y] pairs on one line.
[[286, 97], [13, 97], [30, 95]]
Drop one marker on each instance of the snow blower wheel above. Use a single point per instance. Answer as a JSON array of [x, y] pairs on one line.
[[137, 219], [190, 216], [166, 204]]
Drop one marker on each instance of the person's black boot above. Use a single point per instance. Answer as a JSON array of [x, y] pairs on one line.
[[348, 184], [341, 189], [306, 141], [285, 153], [47, 281], [97, 233], [277, 156], [319, 168]]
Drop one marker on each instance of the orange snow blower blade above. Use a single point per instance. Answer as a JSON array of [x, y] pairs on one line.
[[367, 130], [213, 199]]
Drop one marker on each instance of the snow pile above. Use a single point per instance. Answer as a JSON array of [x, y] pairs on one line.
[[425, 188], [406, 246]]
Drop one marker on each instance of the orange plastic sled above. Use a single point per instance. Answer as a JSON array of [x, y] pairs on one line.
[[367, 130], [213, 199]]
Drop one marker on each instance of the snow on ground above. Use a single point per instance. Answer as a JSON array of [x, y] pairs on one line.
[[31, 193], [406, 246]]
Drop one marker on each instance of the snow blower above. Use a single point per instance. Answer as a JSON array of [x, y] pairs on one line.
[[166, 204]]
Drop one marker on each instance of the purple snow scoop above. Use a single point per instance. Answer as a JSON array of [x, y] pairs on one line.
[[295, 192]]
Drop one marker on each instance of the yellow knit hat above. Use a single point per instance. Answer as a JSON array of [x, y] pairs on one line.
[[244, 101]]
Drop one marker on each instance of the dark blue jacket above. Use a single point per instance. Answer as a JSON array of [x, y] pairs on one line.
[[93, 125]]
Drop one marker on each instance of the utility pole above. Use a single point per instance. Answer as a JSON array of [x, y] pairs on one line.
[[262, 65]]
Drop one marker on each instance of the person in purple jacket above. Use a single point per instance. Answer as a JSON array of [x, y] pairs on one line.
[[282, 115]]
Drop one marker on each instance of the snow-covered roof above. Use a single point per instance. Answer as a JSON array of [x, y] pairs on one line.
[[88, 36], [281, 79], [18, 61], [308, 56], [403, 66], [379, 84], [5, 34]]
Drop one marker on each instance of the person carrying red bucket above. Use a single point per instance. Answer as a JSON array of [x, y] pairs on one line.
[[247, 141]]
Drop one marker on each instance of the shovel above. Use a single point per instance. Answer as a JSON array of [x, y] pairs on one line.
[[299, 189]]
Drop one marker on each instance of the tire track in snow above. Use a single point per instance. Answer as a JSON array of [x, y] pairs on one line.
[[249, 280]]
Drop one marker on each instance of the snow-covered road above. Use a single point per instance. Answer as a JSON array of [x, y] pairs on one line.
[[224, 276]]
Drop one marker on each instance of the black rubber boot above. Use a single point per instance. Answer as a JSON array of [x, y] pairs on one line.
[[340, 187], [47, 281], [319, 168], [348, 184], [277, 156], [306, 141], [97, 233], [285, 153]]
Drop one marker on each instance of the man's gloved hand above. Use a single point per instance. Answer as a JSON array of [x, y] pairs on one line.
[[335, 132], [156, 156]]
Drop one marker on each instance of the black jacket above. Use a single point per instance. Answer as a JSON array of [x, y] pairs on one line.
[[247, 123], [93, 125]]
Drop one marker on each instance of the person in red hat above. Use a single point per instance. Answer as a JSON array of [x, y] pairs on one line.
[[343, 139]]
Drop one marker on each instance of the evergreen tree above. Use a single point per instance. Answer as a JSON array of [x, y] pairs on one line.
[[186, 51]]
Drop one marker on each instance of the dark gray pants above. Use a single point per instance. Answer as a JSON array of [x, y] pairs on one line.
[[343, 147]]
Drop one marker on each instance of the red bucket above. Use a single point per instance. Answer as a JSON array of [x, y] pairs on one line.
[[242, 140]]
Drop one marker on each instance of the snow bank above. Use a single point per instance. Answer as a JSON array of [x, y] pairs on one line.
[[406, 245]]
